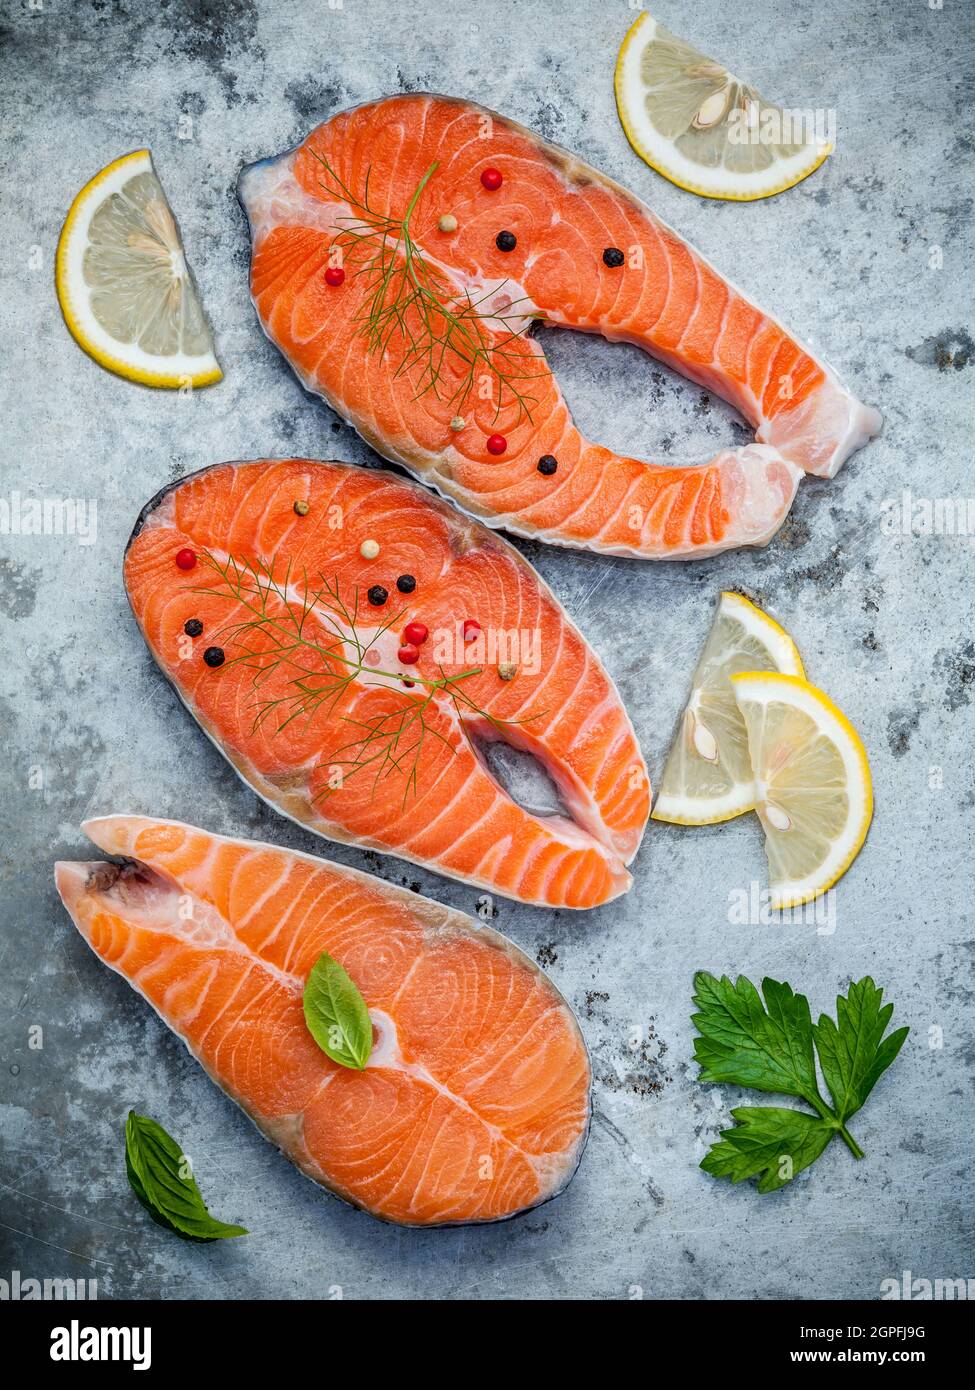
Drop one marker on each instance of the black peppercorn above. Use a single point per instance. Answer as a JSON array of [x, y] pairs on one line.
[[547, 464], [506, 241], [213, 656], [192, 627], [406, 583], [377, 595], [613, 257]]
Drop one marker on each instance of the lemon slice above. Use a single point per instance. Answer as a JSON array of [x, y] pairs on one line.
[[123, 283], [708, 776], [814, 792], [704, 128]]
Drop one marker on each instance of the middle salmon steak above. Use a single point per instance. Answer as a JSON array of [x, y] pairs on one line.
[[352, 644], [402, 253]]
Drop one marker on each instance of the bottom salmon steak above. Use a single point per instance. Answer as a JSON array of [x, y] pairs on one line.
[[474, 1104]]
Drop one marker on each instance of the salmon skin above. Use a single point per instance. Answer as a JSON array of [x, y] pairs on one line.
[[582, 253], [474, 1104], [327, 730]]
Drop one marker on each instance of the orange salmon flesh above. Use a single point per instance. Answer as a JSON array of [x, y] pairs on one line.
[[305, 210], [474, 1104], [367, 764]]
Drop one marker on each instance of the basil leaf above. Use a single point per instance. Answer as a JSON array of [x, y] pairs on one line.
[[336, 1014], [155, 1165]]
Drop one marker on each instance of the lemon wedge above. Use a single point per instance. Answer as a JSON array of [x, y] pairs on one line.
[[708, 774], [704, 128], [123, 283], [814, 791]]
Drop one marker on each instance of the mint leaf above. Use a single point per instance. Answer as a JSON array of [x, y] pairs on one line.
[[158, 1173], [744, 1045], [336, 1014], [768, 1143], [772, 1046], [855, 1054]]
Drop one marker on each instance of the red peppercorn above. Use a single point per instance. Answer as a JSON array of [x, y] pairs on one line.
[[408, 654], [491, 179], [416, 633], [496, 444], [186, 558], [471, 628], [334, 275]]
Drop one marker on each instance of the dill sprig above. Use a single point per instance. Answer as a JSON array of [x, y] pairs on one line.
[[439, 330], [309, 629]]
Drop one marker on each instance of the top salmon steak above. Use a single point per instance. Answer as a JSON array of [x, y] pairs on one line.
[[401, 255]]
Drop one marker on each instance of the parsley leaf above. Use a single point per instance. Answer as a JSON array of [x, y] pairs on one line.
[[852, 1055], [768, 1143], [743, 1044], [772, 1045]]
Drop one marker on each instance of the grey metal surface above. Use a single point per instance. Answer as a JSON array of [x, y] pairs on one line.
[[885, 622]]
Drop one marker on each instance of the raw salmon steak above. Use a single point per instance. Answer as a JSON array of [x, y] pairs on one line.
[[474, 1104], [290, 640], [401, 254]]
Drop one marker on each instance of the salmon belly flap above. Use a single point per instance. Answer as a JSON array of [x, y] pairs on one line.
[[354, 657], [558, 242], [474, 1103]]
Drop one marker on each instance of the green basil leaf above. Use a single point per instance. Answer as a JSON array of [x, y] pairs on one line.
[[158, 1174], [336, 1014]]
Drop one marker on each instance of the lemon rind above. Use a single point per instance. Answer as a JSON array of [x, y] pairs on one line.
[[714, 818], [673, 810], [779, 899], [671, 175], [763, 622], [135, 161]]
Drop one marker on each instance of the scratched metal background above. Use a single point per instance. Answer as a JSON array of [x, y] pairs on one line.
[[885, 623]]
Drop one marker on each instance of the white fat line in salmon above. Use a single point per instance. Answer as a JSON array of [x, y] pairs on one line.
[[277, 193], [379, 644]]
